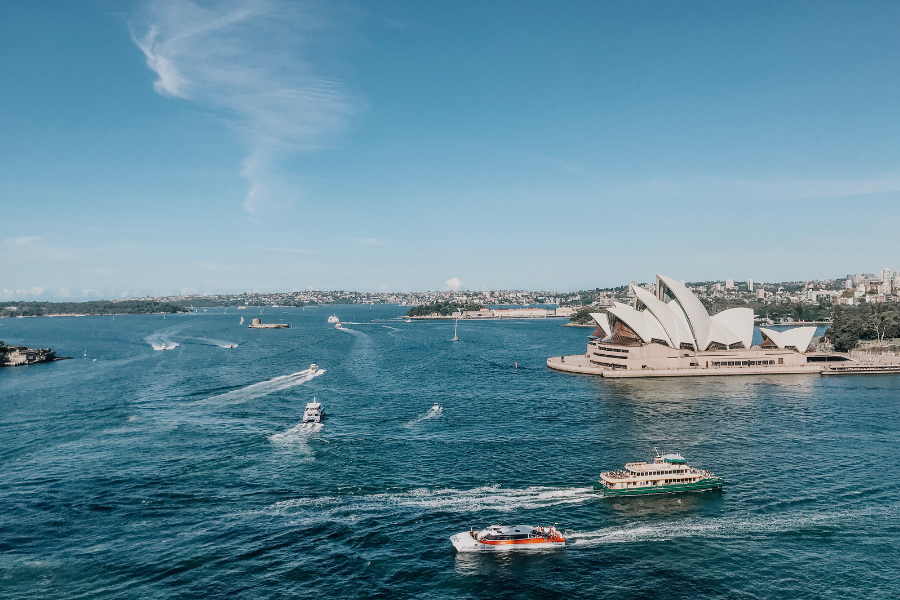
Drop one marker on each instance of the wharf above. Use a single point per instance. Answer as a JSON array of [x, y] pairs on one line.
[[579, 363]]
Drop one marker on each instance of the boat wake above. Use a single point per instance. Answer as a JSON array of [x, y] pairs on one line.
[[219, 343], [296, 435], [725, 527], [431, 413], [162, 340], [488, 498], [264, 388]]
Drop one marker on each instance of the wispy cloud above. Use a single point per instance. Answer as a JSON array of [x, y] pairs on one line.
[[368, 241], [32, 292], [246, 60], [293, 250], [25, 240]]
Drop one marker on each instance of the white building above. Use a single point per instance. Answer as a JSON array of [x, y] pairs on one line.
[[729, 284], [671, 333], [750, 285]]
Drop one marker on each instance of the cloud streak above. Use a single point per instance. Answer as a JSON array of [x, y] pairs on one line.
[[246, 61]]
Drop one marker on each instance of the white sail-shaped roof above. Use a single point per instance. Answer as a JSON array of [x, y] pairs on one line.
[[797, 338], [739, 321], [641, 322], [602, 320], [671, 321], [697, 317]]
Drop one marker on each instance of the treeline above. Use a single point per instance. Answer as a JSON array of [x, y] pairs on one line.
[[865, 322], [776, 312], [96, 307], [583, 315], [442, 307]]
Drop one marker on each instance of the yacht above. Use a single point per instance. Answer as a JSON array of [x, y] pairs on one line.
[[314, 412], [333, 319], [513, 537], [667, 473], [455, 327]]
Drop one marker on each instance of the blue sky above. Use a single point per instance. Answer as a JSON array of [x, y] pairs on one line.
[[172, 146]]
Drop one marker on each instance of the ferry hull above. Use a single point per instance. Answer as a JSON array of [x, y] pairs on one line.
[[706, 484]]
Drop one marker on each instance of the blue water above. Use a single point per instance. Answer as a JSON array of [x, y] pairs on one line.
[[181, 473]]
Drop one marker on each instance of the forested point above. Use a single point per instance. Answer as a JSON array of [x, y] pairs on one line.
[[864, 322], [93, 308], [444, 308]]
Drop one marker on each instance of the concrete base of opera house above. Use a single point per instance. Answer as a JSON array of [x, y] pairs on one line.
[[579, 363]]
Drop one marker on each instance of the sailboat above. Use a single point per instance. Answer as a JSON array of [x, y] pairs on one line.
[[242, 320], [455, 327]]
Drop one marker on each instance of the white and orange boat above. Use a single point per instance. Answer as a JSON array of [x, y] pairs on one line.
[[513, 537]]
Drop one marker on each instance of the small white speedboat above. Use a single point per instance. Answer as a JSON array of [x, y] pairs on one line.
[[338, 325], [313, 368], [314, 412], [436, 407], [333, 319], [513, 537]]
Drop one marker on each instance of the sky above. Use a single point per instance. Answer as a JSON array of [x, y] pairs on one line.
[[173, 146]]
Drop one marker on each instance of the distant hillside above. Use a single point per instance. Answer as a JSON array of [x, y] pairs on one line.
[[96, 307], [443, 308]]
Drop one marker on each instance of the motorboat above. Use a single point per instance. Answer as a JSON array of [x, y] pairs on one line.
[[512, 537], [338, 325], [314, 412], [333, 319], [313, 368], [408, 320], [436, 407]]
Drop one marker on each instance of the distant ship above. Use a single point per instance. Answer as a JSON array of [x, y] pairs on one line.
[[242, 320], [667, 473], [455, 327], [333, 319]]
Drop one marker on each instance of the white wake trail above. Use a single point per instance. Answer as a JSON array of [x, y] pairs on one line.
[[219, 343], [724, 527], [263, 388], [162, 340], [296, 435], [476, 500], [431, 413]]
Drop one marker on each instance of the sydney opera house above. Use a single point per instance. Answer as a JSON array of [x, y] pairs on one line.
[[670, 333]]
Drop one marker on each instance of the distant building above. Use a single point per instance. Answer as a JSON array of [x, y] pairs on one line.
[[886, 277], [750, 285], [729, 284]]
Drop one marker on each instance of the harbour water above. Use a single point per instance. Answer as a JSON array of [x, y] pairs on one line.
[[173, 466]]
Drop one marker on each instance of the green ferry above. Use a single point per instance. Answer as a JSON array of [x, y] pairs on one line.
[[666, 474]]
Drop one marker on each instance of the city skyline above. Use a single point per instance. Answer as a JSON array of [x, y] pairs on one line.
[[167, 147]]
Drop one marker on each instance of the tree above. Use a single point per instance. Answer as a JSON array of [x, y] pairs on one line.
[[881, 320]]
